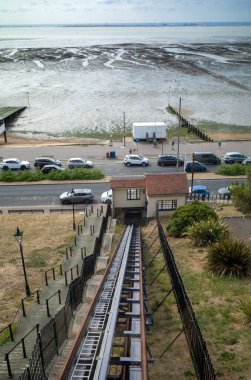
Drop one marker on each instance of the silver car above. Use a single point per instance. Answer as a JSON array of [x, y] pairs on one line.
[[78, 162], [234, 157], [76, 196], [14, 164], [134, 159]]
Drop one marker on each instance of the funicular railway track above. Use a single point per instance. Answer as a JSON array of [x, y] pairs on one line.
[[114, 344]]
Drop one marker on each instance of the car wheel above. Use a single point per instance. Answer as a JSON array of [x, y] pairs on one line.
[[66, 202], [71, 167], [143, 164], [108, 201], [162, 164], [87, 201], [128, 164], [5, 168], [23, 167]]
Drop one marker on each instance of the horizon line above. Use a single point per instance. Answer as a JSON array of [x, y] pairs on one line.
[[114, 24]]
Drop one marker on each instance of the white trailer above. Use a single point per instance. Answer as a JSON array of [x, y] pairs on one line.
[[149, 131]]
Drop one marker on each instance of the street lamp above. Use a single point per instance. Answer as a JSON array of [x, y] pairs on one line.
[[19, 236], [178, 145], [73, 210]]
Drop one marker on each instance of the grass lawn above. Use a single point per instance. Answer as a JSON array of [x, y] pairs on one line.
[[214, 301], [44, 240]]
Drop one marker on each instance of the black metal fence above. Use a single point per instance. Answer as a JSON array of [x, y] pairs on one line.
[[52, 336], [211, 198], [197, 346]]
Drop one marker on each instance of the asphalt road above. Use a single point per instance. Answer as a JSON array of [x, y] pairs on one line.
[[48, 194]]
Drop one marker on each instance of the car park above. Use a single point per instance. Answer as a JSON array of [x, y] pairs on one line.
[[78, 162], [77, 196], [106, 197], [199, 192], [224, 193], [48, 168], [134, 159], [40, 162], [14, 164], [207, 158], [169, 160], [234, 157], [247, 161], [194, 166]]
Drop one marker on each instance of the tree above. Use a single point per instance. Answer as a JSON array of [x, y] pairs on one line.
[[186, 215]]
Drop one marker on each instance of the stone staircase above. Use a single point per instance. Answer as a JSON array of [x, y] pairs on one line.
[[37, 313]]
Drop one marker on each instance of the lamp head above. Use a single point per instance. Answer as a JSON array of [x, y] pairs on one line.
[[18, 235]]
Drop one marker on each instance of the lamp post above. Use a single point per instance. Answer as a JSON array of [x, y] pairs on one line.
[[178, 145], [73, 210], [124, 127], [19, 237]]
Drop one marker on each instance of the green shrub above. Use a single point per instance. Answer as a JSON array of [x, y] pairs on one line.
[[242, 194], [186, 215], [5, 335], [230, 258], [243, 310], [207, 232], [233, 169], [67, 174]]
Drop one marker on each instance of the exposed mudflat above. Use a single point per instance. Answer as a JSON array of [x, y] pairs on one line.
[[76, 90]]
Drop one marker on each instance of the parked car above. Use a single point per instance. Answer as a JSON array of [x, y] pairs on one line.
[[42, 161], [14, 164], [106, 197], [77, 196], [79, 162], [199, 192], [134, 159], [194, 166], [207, 158], [224, 193], [234, 157], [247, 161], [169, 160], [48, 168]]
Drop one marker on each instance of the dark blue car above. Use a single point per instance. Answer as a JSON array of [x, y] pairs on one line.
[[199, 192], [195, 166]]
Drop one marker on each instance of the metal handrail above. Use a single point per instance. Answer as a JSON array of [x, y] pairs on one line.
[[53, 272], [48, 299], [70, 270]]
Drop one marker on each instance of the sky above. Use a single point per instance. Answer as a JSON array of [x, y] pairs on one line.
[[122, 11]]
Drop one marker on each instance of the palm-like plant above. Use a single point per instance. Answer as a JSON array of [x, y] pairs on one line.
[[230, 258], [207, 232], [243, 310]]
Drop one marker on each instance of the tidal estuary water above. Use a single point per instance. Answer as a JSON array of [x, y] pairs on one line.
[[79, 80]]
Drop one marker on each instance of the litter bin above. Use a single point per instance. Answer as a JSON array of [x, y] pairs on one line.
[[112, 154]]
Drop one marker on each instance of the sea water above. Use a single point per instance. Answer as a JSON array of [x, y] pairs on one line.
[[77, 80]]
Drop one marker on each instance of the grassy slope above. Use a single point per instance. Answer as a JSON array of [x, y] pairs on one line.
[[214, 300]]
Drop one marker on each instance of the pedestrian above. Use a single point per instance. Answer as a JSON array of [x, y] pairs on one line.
[[130, 151], [172, 145], [219, 144]]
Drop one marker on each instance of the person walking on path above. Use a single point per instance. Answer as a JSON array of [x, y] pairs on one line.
[[172, 145]]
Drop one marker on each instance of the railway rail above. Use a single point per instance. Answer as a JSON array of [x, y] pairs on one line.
[[114, 343]]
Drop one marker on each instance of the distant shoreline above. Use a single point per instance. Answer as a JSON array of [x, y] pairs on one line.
[[126, 25]]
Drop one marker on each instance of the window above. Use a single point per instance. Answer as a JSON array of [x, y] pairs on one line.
[[167, 205], [133, 194]]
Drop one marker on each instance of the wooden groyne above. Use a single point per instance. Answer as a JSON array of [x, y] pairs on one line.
[[190, 127]]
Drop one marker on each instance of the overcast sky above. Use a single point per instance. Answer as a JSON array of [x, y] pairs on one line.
[[122, 11]]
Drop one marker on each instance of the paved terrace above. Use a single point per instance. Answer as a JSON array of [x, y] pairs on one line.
[[37, 313]]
